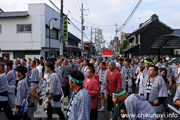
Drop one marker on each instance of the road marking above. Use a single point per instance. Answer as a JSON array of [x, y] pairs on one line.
[[174, 109]]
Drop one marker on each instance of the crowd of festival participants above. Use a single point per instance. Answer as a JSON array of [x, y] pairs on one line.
[[134, 88]]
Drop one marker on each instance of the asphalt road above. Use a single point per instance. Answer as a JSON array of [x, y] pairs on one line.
[[105, 115]]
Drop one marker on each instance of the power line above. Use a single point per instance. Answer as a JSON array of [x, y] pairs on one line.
[[99, 24], [74, 25], [78, 4], [73, 4], [84, 34], [76, 20], [88, 10], [130, 16], [91, 23]]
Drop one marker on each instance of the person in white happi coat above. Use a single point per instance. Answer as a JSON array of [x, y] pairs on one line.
[[176, 99], [154, 89], [102, 79], [34, 78], [39, 67], [21, 104], [178, 73], [46, 80], [139, 79], [79, 99], [23, 63], [176, 78], [148, 62], [160, 64], [134, 67], [128, 73], [141, 65], [121, 62], [135, 106], [4, 94], [11, 77], [54, 93], [169, 75], [86, 62]]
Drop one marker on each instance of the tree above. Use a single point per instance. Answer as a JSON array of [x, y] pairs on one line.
[[99, 38], [125, 43]]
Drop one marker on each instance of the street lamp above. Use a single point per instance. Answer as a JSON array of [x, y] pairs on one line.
[[55, 19]]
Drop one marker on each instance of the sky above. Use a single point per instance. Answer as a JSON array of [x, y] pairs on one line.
[[107, 13]]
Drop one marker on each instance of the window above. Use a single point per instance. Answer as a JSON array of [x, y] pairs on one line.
[[69, 43], [0, 29], [24, 28], [19, 54], [53, 33], [46, 54]]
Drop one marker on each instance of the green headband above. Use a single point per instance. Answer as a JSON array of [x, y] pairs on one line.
[[148, 62], [75, 80], [119, 94]]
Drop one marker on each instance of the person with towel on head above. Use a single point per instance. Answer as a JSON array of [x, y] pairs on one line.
[[91, 85], [131, 106], [79, 105], [113, 82]]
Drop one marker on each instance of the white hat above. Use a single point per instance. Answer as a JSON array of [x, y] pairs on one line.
[[117, 65]]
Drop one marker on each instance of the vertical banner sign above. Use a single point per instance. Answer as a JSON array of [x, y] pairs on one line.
[[65, 28], [82, 47], [98, 48], [51, 25], [61, 48]]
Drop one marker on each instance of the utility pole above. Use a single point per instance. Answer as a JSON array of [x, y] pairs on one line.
[[116, 39], [61, 26], [82, 22], [95, 41], [61, 29], [91, 41], [122, 42]]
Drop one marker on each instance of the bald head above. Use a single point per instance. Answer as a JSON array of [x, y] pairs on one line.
[[59, 62]]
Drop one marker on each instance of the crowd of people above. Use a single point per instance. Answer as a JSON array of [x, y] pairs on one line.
[[134, 88]]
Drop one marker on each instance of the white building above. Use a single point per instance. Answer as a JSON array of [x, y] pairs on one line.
[[26, 33]]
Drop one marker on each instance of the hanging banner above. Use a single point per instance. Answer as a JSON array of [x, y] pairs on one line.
[[98, 48], [82, 47], [61, 49], [65, 28]]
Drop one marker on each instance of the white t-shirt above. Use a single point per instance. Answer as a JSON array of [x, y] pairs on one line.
[[167, 58], [178, 70], [40, 70]]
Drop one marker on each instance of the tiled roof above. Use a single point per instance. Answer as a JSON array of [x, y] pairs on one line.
[[13, 14]]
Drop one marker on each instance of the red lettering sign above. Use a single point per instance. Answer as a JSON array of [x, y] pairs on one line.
[[107, 52]]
